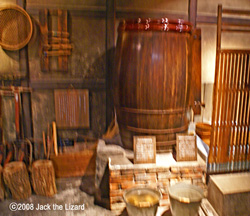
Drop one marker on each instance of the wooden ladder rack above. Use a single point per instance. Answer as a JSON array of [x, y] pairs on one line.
[[55, 43]]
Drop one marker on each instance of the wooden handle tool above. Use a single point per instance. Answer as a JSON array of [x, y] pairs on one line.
[[44, 145], [55, 137]]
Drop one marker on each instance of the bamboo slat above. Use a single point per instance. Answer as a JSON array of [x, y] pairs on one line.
[[230, 140], [59, 28], [65, 29], [230, 119], [72, 108], [56, 42], [43, 18]]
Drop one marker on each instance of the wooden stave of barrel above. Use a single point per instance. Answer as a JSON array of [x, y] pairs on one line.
[[151, 81]]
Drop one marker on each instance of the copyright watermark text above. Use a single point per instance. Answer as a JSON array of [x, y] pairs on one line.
[[45, 207]]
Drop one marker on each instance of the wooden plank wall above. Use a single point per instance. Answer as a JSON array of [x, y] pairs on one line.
[[111, 13]]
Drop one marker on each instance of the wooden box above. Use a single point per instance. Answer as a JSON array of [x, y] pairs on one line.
[[229, 194], [75, 163]]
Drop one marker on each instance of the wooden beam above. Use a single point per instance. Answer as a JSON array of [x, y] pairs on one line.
[[128, 13], [50, 84], [26, 117], [225, 20], [110, 56], [84, 11], [236, 12], [124, 13], [235, 30], [192, 12]]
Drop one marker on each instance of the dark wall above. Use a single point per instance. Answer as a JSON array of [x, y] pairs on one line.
[[87, 64], [86, 69]]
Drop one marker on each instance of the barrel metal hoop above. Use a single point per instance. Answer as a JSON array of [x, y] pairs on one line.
[[154, 112], [166, 143], [157, 131], [163, 24], [152, 27]]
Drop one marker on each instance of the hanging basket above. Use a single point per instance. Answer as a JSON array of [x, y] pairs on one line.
[[15, 27]]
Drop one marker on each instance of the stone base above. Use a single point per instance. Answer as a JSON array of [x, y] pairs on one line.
[[166, 172]]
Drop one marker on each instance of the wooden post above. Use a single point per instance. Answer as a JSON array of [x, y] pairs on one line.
[[195, 71], [27, 121], [192, 12], [26, 105], [194, 60], [110, 53], [219, 23], [1, 184], [213, 144], [1, 123]]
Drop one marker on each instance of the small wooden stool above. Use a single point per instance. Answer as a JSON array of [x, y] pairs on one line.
[[43, 178], [16, 178]]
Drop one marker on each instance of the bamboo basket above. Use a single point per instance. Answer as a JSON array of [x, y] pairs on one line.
[[15, 27], [72, 164]]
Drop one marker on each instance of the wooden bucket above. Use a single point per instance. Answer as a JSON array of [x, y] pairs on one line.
[[151, 80], [203, 130]]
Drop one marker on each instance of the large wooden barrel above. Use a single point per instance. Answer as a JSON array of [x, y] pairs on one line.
[[151, 80]]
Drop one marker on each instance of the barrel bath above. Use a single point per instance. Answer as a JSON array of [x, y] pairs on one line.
[[151, 80]]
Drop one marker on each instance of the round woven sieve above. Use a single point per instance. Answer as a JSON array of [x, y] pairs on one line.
[[15, 27]]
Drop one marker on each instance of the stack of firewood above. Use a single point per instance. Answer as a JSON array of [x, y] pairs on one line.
[[18, 178]]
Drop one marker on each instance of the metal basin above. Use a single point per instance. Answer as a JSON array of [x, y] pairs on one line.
[[142, 201], [185, 199]]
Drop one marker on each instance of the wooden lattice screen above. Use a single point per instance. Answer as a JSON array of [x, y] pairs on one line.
[[229, 145]]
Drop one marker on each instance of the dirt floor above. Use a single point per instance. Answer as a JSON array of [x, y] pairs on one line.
[[69, 201]]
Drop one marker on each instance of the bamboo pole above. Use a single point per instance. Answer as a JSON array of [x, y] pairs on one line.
[[55, 138]]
